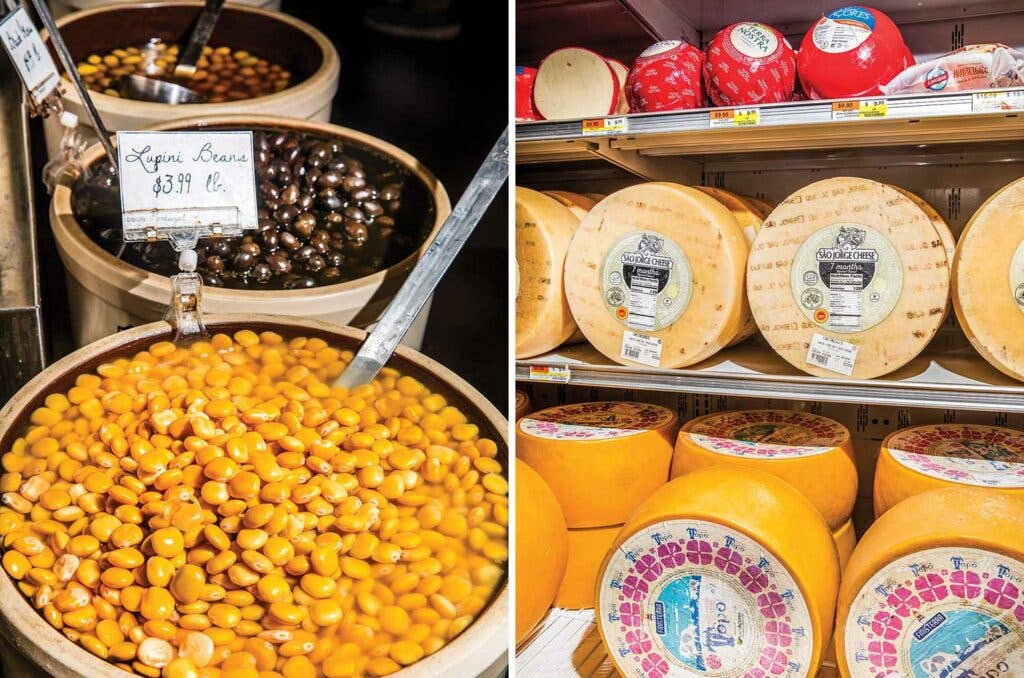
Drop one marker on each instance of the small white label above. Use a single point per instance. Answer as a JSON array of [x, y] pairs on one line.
[[754, 40], [832, 354], [660, 47], [186, 180], [31, 58], [641, 348], [555, 373], [992, 102]]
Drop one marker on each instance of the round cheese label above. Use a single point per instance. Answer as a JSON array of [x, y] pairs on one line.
[[595, 421], [660, 48], [753, 40], [768, 434], [846, 277], [1017, 276], [694, 598], [646, 281], [843, 29], [939, 612], [986, 456]]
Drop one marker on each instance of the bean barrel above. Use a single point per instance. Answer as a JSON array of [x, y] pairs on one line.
[[33, 647], [63, 7], [106, 294]]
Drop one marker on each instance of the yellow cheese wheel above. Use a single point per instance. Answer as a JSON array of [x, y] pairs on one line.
[[763, 208], [941, 227], [544, 228], [578, 204], [596, 197], [522, 404], [812, 453], [600, 459], [988, 280], [542, 545], [922, 458], [847, 277], [934, 588], [734, 571], [846, 540], [587, 549], [654, 275]]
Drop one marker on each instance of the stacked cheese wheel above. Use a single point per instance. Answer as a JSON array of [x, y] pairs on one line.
[[666, 77], [721, 572], [574, 82], [522, 404], [848, 276], [749, 63], [601, 460], [988, 280], [934, 589], [922, 458], [577, 203], [812, 453], [654, 275], [544, 227], [541, 547]]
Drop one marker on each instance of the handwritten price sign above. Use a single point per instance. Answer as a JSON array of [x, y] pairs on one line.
[[31, 58], [174, 181]]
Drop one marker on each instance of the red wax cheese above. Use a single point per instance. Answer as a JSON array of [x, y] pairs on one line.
[[666, 77], [850, 52], [524, 93], [749, 63], [575, 83]]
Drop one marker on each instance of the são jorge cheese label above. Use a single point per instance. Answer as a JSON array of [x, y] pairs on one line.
[[1017, 276], [595, 421], [646, 281], [767, 434], [694, 598], [846, 277], [986, 456], [940, 612]]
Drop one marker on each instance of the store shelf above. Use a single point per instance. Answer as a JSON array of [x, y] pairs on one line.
[[947, 376], [909, 120]]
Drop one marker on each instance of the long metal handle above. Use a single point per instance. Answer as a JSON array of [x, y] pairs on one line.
[[406, 305], [72, 72], [200, 36]]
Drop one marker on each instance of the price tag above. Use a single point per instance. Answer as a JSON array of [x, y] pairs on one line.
[[734, 117], [859, 109], [179, 183], [991, 102], [555, 373], [604, 125], [31, 58]]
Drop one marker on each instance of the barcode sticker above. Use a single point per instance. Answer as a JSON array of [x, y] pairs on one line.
[[990, 102], [641, 348], [832, 354], [859, 109]]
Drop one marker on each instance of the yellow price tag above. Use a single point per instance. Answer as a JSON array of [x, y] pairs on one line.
[[734, 117], [604, 125], [555, 373], [859, 109]]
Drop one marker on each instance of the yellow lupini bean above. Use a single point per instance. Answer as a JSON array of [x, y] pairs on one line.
[[219, 509]]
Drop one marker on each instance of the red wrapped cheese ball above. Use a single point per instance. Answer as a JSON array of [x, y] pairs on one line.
[[749, 63], [849, 52], [666, 77], [524, 93]]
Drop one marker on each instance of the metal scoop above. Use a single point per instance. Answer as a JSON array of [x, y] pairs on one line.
[[142, 88], [406, 305]]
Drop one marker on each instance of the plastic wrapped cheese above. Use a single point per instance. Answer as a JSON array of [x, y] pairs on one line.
[[749, 63], [972, 67], [666, 77]]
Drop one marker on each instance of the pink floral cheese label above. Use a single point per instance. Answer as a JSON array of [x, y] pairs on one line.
[[986, 456], [595, 421], [768, 434], [694, 598], [944, 612]]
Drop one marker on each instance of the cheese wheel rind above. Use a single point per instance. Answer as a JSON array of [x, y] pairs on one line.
[[578, 204], [544, 228], [743, 543], [762, 208], [542, 545], [587, 549], [574, 82], [846, 541], [936, 566], [701, 252], [922, 458], [601, 459], [812, 453], [621, 72], [899, 281], [522, 405]]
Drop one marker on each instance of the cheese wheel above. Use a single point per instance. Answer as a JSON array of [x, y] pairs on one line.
[[847, 277], [762, 208], [922, 458], [988, 280], [577, 204], [601, 459], [542, 545], [596, 197], [666, 77], [621, 72], [749, 63], [812, 453], [522, 404], [544, 228], [575, 83], [720, 572], [654, 275], [941, 227], [524, 93], [934, 589], [846, 541], [587, 549], [750, 221]]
